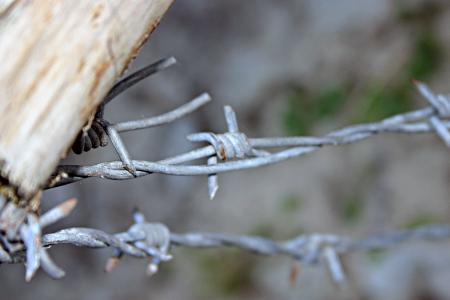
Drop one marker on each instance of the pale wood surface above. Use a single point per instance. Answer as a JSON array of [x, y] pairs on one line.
[[58, 59]]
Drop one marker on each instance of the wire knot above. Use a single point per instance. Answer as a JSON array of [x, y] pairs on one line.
[[232, 144], [229, 145], [318, 247], [153, 239]]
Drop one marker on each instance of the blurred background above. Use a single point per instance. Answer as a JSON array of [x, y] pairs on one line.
[[287, 67]]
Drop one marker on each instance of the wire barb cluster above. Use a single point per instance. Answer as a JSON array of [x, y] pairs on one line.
[[21, 237], [227, 146]]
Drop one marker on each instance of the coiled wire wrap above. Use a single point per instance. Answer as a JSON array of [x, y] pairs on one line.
[[229, 145], [152, 238], [95, 136]]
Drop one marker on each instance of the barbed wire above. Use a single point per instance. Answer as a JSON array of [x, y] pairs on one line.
[[311, 249], [152, 241], [233, 150], [21, 240]]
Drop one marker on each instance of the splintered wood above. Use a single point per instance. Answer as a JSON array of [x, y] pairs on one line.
[[58, 59]]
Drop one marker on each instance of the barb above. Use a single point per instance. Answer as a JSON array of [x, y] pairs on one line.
[[166, 118], [121, 150], [441, 105], [138, 76], [233, 150]]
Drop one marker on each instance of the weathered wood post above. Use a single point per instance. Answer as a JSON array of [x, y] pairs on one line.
[[58, 59]]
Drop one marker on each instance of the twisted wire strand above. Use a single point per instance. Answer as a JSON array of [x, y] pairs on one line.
[[152, 241], [312, 249], [231, 150], [237, 145]]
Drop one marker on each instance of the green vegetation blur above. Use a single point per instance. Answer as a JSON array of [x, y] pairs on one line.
[[306, 108]]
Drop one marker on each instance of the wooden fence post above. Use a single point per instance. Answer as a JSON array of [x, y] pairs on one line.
[[58, 59]]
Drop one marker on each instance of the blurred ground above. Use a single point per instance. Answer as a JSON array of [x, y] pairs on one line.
[[287, 67]]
